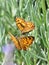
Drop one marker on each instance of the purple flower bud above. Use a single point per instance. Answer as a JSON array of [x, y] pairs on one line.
[[8, 50]]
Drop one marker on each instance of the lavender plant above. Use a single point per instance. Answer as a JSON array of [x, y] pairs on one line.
[[31, 10], [8, 51]]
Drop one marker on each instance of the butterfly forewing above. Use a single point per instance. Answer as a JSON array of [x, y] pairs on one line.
[[24, 26], [20, 23]]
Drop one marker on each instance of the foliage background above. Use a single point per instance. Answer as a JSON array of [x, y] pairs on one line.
[[36, 11]]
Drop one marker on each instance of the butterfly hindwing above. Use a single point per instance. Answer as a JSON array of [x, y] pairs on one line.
[[25, 42], [15, 41], [22, 42]]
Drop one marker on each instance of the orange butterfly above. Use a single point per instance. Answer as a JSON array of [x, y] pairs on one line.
[[24, 26], [22, 42]]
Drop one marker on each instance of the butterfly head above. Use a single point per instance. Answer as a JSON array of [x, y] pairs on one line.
[[19, 20]]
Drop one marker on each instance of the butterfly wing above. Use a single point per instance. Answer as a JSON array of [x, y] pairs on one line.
[[15, 41], [25, 42], [24, 26], [20, 23], [22, 42], [29, 27]]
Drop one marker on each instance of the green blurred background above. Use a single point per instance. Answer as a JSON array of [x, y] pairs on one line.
[[36, 11]]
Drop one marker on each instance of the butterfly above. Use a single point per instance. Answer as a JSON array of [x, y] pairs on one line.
[[22, 42], [24, 26]]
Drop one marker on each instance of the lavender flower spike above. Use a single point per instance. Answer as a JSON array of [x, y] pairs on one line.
[[8, 50]]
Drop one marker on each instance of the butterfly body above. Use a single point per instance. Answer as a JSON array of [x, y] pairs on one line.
[[23, 42], [24, 26]]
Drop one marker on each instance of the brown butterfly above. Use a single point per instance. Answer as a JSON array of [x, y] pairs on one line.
[[24, 26], [22, 42]]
